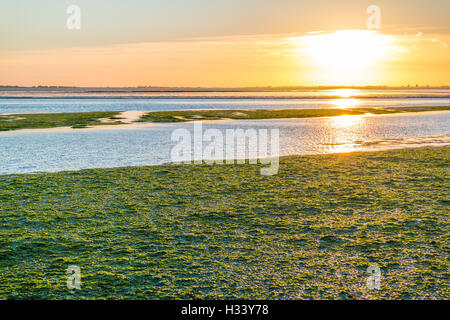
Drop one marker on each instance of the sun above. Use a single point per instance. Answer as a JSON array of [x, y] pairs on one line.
[[345, 56], [347, 48]]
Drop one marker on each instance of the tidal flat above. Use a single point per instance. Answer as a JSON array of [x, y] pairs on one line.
[[78, 120], [255, 114], [81, 120], [227, 232]]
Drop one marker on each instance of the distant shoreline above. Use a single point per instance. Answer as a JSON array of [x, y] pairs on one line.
[[213, 89]]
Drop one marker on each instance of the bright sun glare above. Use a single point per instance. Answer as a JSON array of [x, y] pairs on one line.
[[345, 99], [347, 48], [344, 93], [345, 103], [345, 57]]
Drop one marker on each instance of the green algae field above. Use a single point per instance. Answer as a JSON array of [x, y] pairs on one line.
[[227, 232], [53, 120], [258, 114], [80, 120]]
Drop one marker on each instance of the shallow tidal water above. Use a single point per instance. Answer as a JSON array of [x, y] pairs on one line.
[[45, 151], [59, 101]]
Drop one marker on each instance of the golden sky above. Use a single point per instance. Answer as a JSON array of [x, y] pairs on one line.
[[393, 56]]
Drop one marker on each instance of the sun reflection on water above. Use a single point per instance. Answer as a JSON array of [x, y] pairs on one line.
[[345, 103], [346, 134], [346, 99], [345, 121], [345, 93]]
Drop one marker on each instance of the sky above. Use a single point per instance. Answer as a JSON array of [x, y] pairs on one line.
[[224, 43]]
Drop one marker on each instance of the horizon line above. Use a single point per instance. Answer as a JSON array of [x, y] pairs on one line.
[[190, 88]]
